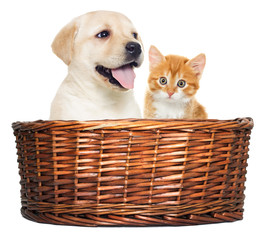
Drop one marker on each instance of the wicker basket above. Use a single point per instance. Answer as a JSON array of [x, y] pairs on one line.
[[133, 172]]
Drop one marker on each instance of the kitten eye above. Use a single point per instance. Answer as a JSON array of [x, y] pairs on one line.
[[135, 35], [181, 83], [103, 34], [163, 81]]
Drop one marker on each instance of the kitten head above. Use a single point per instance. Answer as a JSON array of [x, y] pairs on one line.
[[173, 77]]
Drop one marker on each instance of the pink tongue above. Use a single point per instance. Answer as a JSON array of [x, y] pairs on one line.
[[125, 76]]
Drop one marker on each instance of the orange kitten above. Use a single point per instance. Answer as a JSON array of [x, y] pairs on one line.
[[172, 85]]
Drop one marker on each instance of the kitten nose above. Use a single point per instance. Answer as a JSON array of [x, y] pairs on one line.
[[134, 49], [170, 93]]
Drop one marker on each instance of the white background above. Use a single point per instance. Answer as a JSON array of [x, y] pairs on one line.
[[228, 32]]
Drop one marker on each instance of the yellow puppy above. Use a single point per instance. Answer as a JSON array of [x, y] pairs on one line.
[[101, 49]]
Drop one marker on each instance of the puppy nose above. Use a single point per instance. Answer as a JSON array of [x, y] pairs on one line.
[[134, 49]]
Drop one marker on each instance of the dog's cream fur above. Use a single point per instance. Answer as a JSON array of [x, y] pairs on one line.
[[85, 94]]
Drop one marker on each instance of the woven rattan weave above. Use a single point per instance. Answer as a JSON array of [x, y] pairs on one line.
[[133, 172]]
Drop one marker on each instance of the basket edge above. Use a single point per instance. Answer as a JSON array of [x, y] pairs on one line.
[[130, 123]]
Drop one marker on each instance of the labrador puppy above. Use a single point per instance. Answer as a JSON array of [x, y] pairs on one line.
[[101, 49]]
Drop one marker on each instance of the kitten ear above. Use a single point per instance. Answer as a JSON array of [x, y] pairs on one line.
[[198, 64], [155, 57]]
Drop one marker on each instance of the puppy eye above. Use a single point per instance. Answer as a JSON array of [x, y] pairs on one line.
[[135, 35], [181, 83], [162, 80], [103, 34]]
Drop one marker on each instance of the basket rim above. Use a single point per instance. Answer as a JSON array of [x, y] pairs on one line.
[[133, 124]]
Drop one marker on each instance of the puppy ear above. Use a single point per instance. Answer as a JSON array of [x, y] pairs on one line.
[[155, 57], [63, 43], [198, 64]]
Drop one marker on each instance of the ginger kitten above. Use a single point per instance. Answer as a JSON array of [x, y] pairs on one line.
[[172, 85]]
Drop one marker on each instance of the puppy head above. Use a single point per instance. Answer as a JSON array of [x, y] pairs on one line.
[[105, 45]]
